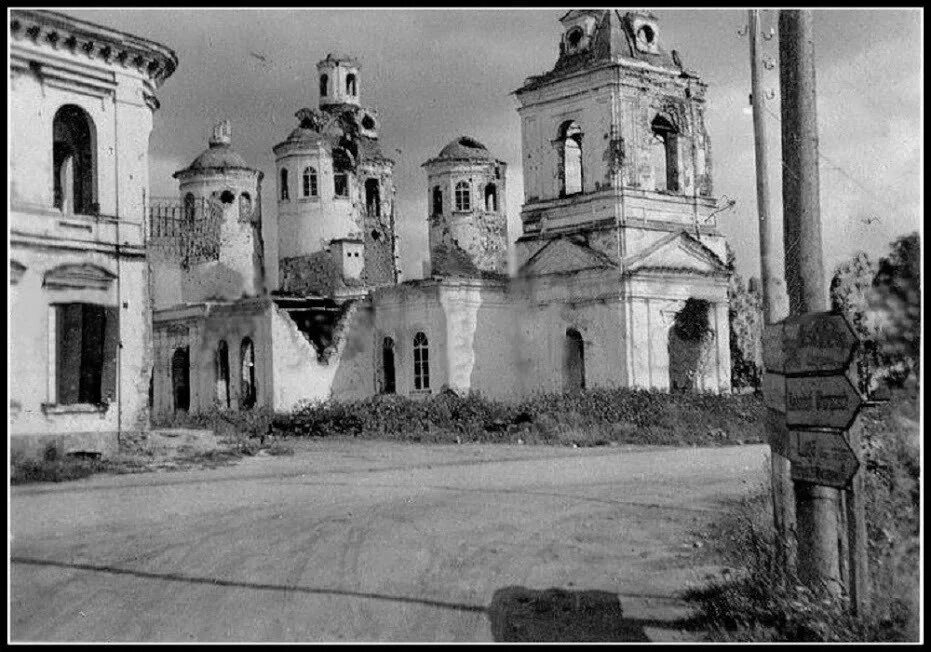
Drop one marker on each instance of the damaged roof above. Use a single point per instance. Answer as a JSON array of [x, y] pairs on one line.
[[613, 40]]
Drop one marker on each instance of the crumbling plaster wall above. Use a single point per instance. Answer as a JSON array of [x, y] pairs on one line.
[[651, 303], [201, 327], [300, 374], [587, 301]]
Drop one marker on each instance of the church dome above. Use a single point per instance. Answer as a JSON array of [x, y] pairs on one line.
[[465, 147], [304, 136], [219, 156]]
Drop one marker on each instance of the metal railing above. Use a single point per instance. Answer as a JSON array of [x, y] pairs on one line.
[[188, 231]]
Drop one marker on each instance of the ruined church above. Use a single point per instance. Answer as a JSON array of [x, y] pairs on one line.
[[619, 255]]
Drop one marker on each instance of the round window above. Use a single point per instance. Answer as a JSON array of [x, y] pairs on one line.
[[646, 34]]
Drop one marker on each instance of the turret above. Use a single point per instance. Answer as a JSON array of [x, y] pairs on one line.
[[466, 210], [220, 193]]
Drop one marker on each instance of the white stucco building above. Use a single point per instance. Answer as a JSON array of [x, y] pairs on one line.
[[82, 99], [620, 283]]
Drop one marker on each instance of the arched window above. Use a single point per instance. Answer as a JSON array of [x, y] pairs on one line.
[[310, 182], [421, 362], [74, 161], [570, 138], [247, 376], [284, 184], [491, 198], [350, 84], [574, 361], [190, 207], [324, 80], [222, 365], [245, 206], [463, 196], [664, 154], [437, 200], [372, 197], [387, 366]]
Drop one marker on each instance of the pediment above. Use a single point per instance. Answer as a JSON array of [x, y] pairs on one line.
[[78, 277], [562, 255], [678, 252]]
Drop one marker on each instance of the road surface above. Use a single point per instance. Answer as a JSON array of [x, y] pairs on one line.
[[375, 541]]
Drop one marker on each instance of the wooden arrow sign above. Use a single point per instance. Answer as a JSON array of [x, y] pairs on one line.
[[821, 401], [819, 342], [824, 458]]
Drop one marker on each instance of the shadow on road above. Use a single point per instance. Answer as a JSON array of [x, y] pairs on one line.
[[519, 614], [191, 579], [516, 613]]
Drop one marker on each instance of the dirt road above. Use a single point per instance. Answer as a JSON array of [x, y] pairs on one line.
[[374, 541]]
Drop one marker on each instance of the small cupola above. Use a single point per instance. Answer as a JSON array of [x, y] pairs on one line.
[[338, 80]]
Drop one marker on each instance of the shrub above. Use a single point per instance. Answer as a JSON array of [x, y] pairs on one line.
[[591, 417]]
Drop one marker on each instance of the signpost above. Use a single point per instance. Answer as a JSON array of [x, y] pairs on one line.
[[821, 401], [812, 404], [822, 457]]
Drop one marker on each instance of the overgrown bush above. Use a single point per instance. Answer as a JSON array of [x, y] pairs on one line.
[[591, 417], [761, 601], [25, 470]]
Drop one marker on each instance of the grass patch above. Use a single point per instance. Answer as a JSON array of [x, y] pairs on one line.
[[760, 601]]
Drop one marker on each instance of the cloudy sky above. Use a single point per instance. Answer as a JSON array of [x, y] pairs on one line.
[[435, 74]]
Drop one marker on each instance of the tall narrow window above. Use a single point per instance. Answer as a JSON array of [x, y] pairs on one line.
[[491, 198], [190, 208], [74, 161], [245, 206], [372, 197], [310, 182], [351, 84], [223, 374], [284, 184], [421, 362], [437, 200], [664, 154], [574, 361], [463, 196], [341, 184], [570, 139], [324, 80], [387, 365], [86, 337], [247, 374], [181, 378]]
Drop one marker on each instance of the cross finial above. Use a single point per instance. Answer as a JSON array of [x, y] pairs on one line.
[[222, 133]]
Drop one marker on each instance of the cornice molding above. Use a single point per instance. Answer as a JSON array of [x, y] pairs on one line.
[[77, 37]]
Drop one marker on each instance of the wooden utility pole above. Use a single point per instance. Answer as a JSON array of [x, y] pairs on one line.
[[774, 303], [816, 506]]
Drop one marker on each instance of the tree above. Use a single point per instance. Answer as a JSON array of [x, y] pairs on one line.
[[745, 312], [851, 287], [895, 301]]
